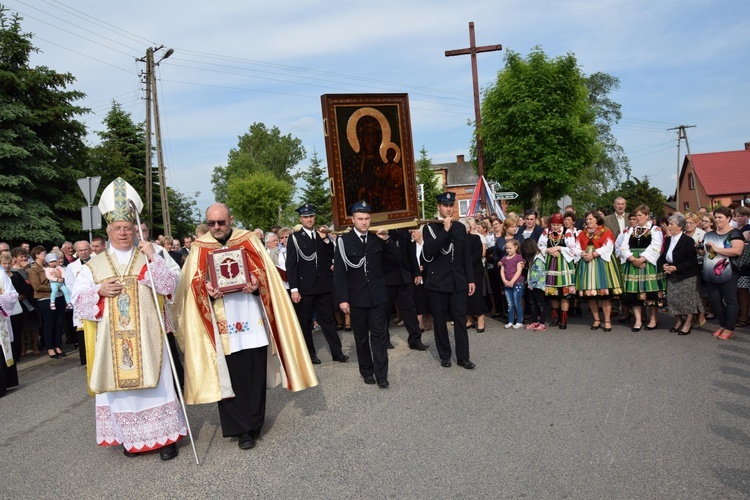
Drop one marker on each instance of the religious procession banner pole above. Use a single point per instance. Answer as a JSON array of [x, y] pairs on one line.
[[409, 224], [164, 336]]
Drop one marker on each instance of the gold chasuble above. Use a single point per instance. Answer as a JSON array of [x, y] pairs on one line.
[[198, 330], [124, 358]]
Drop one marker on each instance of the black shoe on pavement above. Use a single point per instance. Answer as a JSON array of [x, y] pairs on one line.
[[419, 347], [314, 360], [168, 452], [445, 363], [341, 358], [383, 383], [247, 441], [390, 345], [369, 380], [466, 363]]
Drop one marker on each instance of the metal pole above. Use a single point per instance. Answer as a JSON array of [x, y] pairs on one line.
[[164, 336]]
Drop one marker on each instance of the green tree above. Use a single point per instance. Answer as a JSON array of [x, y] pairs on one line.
[[41, 144], [606, 173], [122, 153], [256, 199], [426, 176], [316, 191], [538, 126], [259, 150], [638, 192], [183, 213]]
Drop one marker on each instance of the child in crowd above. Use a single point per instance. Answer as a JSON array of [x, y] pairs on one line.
[[535, 262], [56, 279], [513, 280]]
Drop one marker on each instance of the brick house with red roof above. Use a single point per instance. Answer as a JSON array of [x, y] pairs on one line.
[[708, 179]]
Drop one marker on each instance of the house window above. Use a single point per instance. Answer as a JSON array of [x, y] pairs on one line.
[[686, 206], [463, 207], [691, 181]]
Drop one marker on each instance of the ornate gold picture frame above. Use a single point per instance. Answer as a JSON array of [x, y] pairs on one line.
[[370, 155]]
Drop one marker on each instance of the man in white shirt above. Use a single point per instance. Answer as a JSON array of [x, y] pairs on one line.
[[83, 252]]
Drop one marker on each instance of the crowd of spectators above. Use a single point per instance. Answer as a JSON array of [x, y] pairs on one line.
[[626, 262]]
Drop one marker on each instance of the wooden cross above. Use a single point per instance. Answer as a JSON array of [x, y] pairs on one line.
[[473, 49]]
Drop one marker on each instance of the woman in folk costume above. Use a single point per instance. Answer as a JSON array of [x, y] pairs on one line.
[[136, 403], [561, 249], [598, 276], [644, 283], [8, 306]]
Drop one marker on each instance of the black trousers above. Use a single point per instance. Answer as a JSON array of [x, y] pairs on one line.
[[53, 322], [403, 295], [723, 298], [322, 305], [370, 326], [246, 412], [441, 304], [537, 303], [81, 341], [16, 322]]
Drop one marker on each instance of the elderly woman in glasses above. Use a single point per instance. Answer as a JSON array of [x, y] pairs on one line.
[[679, 261]]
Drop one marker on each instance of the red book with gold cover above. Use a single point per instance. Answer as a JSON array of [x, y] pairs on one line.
[[228, 269]]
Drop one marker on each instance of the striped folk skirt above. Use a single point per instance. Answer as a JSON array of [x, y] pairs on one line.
[[643, 286], [598, 279], [561, 277]]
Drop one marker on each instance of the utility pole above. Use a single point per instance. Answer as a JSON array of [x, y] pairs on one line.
[[680, 136], [149, 166], [152, 104], [473, 50]]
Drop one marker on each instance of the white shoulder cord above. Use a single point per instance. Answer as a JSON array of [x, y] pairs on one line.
[[346, 260], [443, 251], [308, 258]]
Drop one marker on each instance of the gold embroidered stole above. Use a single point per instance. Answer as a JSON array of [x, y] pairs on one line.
[[128, 347]]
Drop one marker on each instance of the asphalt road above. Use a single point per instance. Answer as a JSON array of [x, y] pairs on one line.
[[558, 414]]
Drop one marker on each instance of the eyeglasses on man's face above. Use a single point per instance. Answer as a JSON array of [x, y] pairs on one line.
[[211, 223]]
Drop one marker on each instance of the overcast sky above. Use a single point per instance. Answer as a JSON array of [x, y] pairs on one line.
[[237, 62]]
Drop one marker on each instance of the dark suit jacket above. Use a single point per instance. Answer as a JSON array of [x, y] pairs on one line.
[[452, 272], [308, 277], [684, 257], [363, 286], [401, 273], [535, 234], [417, 262]]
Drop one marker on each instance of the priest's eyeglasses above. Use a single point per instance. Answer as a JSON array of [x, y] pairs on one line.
[[211, 223]]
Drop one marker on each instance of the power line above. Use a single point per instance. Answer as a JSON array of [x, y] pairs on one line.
[[76, 34], [127, 34], [315, 71], [82, 54]]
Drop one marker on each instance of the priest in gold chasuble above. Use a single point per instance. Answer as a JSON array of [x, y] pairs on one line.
[[236, 344], [136, 403]]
